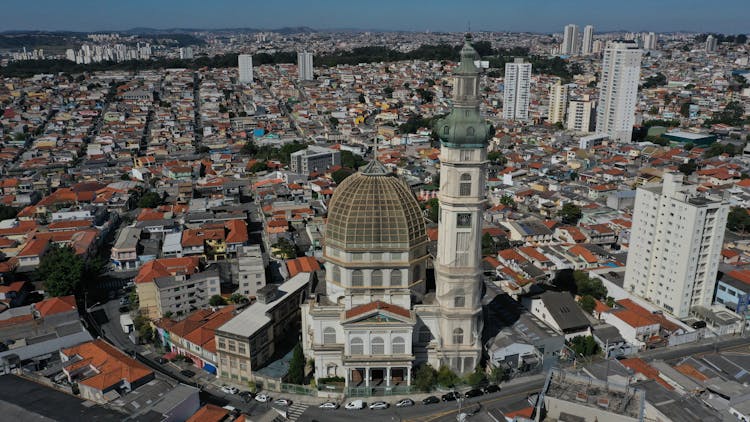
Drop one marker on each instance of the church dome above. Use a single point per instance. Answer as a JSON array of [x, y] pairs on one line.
[[374, 210]]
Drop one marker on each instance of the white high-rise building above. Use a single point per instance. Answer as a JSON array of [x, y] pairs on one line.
[[597, 47], [517, 90], [675, 245], [579, 114], [618, 90], [246, 68], [570, 44], [649, 41], [711, 44], [558, 101], [588, 39], [305, 66], [186, 53]]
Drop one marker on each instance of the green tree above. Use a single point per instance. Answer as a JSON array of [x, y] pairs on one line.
[[150, 199], [296, 373], [688, 168], [351, 160], [588, 303], [497, 157], [7, 212], [738, 220], [238, 298], [610, 302], [497, 374], [585, 346], [688, 146], [425, 378], [685, 109], [217, 300], [249, 148], [362, 98], [446, 377], [286, 249], [433, 209], [341, 174], [488, 245], [333, 121], [570, 213], [476, 378], [258, 167], [508, 201], [586, 285], [61, 270]]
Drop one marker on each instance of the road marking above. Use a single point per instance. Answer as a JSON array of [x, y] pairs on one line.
[[295, 411], [432, 417]]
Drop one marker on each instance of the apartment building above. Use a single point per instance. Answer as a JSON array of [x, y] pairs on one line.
[[517, 90], [314, 159], [675, 245]]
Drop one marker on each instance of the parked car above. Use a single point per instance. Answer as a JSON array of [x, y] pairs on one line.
[[262, 398], [452, 396], [124, 300], [246, 396], [187, 373], [355, 405], [161, 360], [405, 403], [124, 309], [329, 405], [430, 400], [229, 390], [492, 388], [476, 392], [379, 405], [283, 402]]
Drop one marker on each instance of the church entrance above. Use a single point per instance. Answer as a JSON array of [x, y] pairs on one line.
[[377, 377], [397, 376]]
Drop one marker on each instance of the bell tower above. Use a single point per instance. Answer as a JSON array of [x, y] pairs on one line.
[[458, 272]]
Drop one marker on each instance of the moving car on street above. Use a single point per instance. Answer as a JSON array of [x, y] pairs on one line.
[[379, 405], [430, 400], [405, 403], [329, 405]]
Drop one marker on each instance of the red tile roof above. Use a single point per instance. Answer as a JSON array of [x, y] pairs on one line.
[[56, 305], [166, 267], [362, 309], [305, 264], [110, 364], [209, 413], [638, 365]]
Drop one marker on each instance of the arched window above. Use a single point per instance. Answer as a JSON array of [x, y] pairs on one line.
[[329, 335], [464, 188], [356, 346], [336, 275], [377, 278], [399, 346], [424, 335], [396, 278], [470, 131], [357, 279], [458, 336], [378, 346], [446, 130]]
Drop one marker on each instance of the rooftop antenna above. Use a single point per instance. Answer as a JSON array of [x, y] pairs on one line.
[[468, 26]]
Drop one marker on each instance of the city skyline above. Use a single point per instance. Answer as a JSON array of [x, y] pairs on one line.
[[439, 16]]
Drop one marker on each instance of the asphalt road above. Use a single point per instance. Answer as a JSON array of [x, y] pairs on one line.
[[510, 398]]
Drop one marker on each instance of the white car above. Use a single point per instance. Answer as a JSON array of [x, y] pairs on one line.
[[262, 398], [355, 405], [283, 402], [405, 403], [229, 390], [379, 405], [329, 405]]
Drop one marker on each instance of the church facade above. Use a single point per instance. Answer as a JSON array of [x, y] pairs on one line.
[[376, 320]]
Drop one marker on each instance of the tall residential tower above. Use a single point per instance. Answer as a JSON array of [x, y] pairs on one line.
[[517, 90], [588, 39], [305, 66], [618, 90], [245, 62], [570, 45]]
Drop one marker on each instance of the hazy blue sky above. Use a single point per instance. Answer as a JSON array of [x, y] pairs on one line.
[[727, 16]]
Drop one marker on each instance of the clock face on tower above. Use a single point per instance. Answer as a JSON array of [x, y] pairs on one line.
[[463, 220]]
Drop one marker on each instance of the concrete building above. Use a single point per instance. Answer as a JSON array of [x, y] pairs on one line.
[[588, 40], [649, 41], [558, 101], [517, 90], [618, 90], [580, 115], [570, 45], [251, 272], [248, 341], [559, 311], [314, 159], [124, 254], [711, 44], [245, 63], [679, 233], [305, 66]]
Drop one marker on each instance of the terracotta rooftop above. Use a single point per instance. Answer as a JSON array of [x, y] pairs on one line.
[[111, 365], [209, 413], [166, 267], [56, 305], [305, 264]]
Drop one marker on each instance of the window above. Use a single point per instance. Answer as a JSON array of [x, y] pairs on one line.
[[470, 131], [464, 188], [231, 346], [329, 335], [241, 348], [458, 336], [463, 220], [222, 344], [377, 346], [357, 279], [356, 347], [459, 301], [377, 278], [398, 346], [336, 274], [446, 130], [396, 278]]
